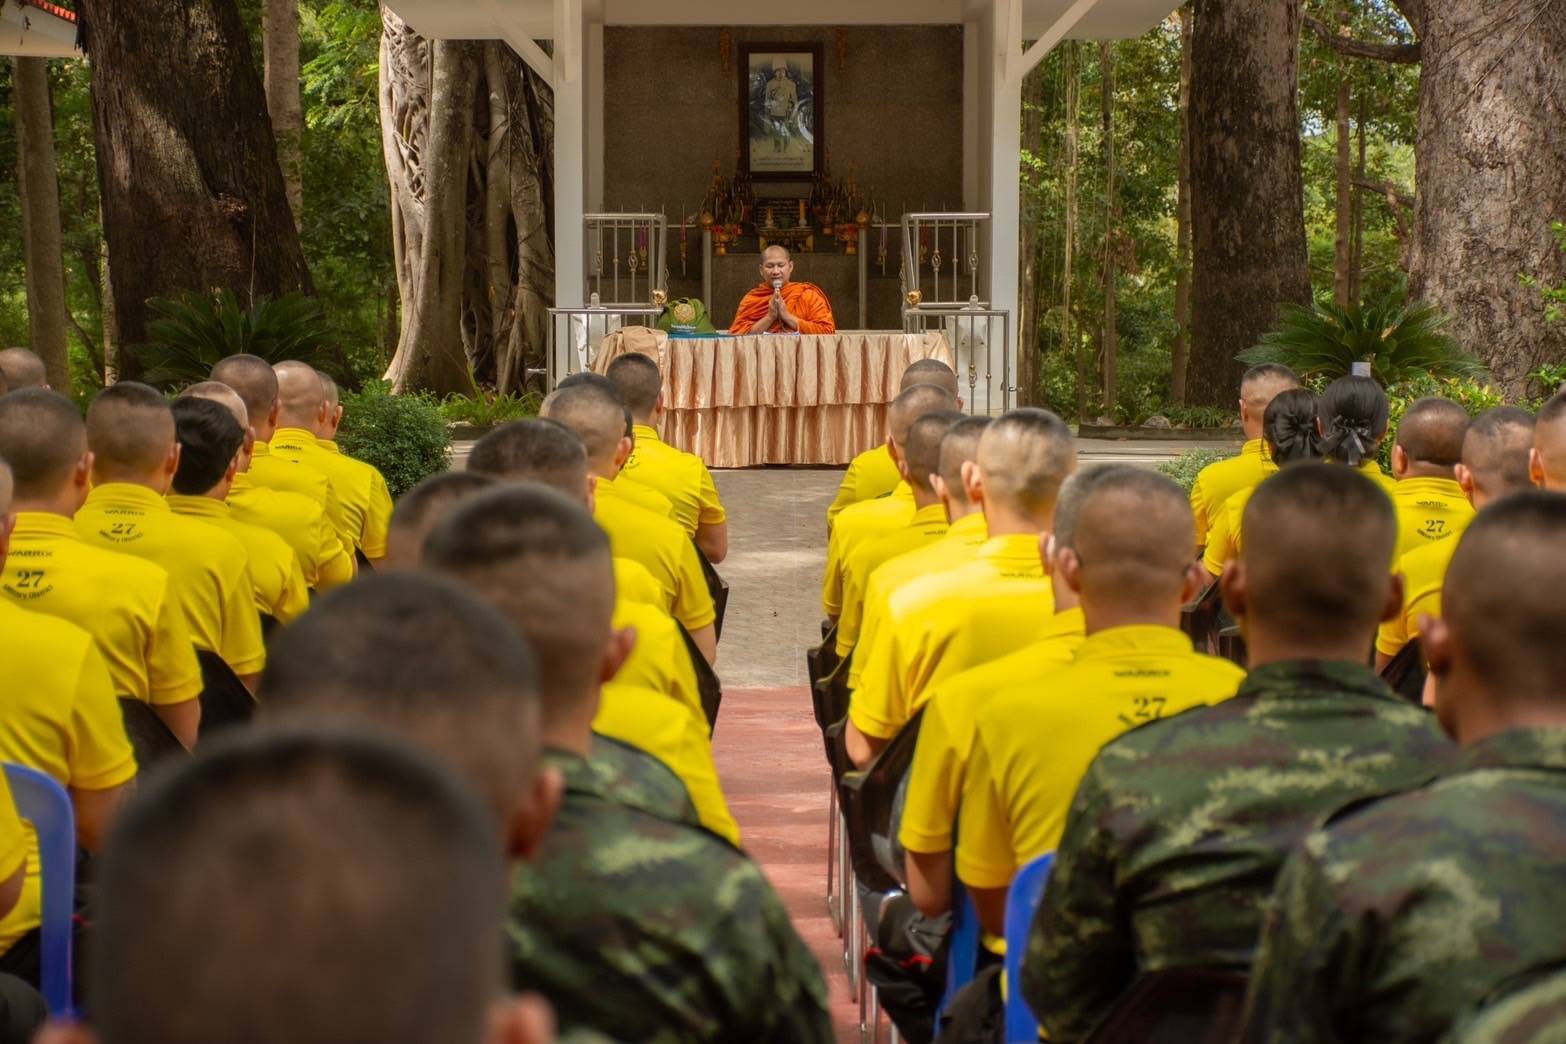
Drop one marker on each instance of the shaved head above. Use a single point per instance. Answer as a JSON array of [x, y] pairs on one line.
[[42, 438], [1133, 538], [914, 403], [595, 414], [540, 450], [959, 446], [423, 508], [221, 394], [300, 391], [1317, 551], [328, 388], [1073, 494], [130, 430], [1549, 445], [929, 371], [255, 381], [1495, 451], [1261, 383], [922, 451], [1431, 434], [542, 561], [22, 369], [1024, 458], [639, 383]]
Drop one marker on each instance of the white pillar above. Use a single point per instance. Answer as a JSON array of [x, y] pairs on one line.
[[595, 116], [1002, 171], [570, 152]]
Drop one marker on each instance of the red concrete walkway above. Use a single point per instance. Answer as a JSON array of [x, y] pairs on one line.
[[774, 775]]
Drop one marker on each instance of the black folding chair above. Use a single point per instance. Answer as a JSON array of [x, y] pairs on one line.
[[1202, 618], [225, 702], [149, 737], [820, 660], [1176, 1006], [830, 696], [708, 687], [269, 624], [870, 802], [719, 589], [363, 562], [1406, 673], [1230, 645]]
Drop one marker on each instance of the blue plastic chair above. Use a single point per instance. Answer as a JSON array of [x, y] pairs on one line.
[[962, 954], [1027, 888], [45, 804]]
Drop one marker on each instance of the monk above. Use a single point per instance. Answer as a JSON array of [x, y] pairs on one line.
[[780, 306]]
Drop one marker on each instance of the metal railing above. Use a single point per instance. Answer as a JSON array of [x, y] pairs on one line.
[[575, 335], [626, 257], [980, 340], [940, 262]]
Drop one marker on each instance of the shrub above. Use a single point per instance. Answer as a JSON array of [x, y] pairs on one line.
[[1401, 341], [193, 331], [1184, 468], [486, 408], [1549, 377], [1473, 396], [404, 436]]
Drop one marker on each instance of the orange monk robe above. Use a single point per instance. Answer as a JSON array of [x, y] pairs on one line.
[[805, 300]]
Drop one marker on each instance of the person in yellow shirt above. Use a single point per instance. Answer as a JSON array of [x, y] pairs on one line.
[[965, 534], [871, 519], [874, 473], [296, 518], [1131, 566], [210, 442], [942, 624], [1219, 481], [304, 413], [421, 509], [597, 417], [1352, 420], [682, 477], [1430, 504], [1494, 465], [126, 604], [640, 494], [919, 463], [1291, 429], [538, 557], [1547, 459], [60, 717], [256, 384], [130, 431]]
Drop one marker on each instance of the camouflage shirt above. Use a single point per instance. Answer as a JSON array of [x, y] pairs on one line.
[[649, 930], [1178, 829], [1530, 1011], [635, 779], [1401, 915]]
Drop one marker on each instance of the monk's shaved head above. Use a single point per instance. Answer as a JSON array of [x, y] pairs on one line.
[[922, 451], [253, 378], [130, 430], [42, 438], [929, 371], [221, 394], [1133, 538], [777, 250], [1317, 551], [914, 403], [532, 450], [22, 369], [1502, 599], [1495, 451], [1549, 445], [595, 414], [1023, 459], [1431, 434], [300, 392], [542, 561]]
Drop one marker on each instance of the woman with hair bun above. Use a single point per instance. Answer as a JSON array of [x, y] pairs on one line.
[[1354, 413], [1291, 426]]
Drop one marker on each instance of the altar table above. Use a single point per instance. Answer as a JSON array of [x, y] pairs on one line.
[[776, 398]]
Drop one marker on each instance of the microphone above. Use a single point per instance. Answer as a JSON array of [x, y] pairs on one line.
[[777, 284]]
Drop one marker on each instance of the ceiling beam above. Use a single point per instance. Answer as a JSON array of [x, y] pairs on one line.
[[1029, 59]]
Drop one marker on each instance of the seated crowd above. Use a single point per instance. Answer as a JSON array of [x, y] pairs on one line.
[[478, 800]]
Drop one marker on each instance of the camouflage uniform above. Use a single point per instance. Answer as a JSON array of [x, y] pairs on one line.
[[635, 779], [1401, 915], [1179, 827], [648, 930], [1533, 1011]]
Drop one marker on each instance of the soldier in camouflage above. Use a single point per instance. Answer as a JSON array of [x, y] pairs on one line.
[[1401, 915], [1179, 827], [1531, 1010]]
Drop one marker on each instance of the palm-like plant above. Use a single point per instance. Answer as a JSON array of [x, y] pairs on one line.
[[193, 331], [1400, 341]]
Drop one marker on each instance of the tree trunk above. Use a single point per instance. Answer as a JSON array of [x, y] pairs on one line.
[[1027, 294], [1247, 205], [1491, 176], [280, 44], [40, 199], [1111, 335], [1342, 248], [1179, 356], [192, 195], [1071, 342], [1357, 213]]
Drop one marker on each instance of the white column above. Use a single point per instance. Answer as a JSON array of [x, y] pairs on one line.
[[1003, 138], [570, 152], [595, 116]]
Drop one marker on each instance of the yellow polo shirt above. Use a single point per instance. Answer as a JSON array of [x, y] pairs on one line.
[[289, 476], [1424, 574], [946, 730], [943, 624], [359, 488], [16, 842], [1033, 742], [1428, 510], [1220, 480], [927, 525], [303, 525], [59, 716], [1371, 469], [276, 580], [661, 547], [958, 547], [209, 572], [858, 524], [1223, 539], [653, 723], [642, 495], [871, 474], [680, 476], [659, 661], [126, 604]]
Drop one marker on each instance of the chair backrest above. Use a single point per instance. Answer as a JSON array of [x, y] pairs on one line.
[[1229, 643], [717, 587], [829, 693], [1406, 672], [225, 702], [820, 660], [268, 625], [1022, 900], [869, 803], [363, 562], [708, 687], [149, 737], [46, 805], [1201, 617], [1176, 1006], [962, 950]]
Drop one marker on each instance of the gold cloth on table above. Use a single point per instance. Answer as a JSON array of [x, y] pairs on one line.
[[776, 399]]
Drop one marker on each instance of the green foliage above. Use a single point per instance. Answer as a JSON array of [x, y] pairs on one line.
[[404, 436], [193, 331], [1400, 341], [1184, 468], [1554, 296], [1202, 416], [1549, 377], [488, 408], [1473, 395]]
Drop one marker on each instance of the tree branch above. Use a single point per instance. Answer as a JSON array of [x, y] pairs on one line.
[[1404, 54], [1413, 12]]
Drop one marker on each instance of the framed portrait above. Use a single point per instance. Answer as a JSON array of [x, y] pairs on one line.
[[780, 110]]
